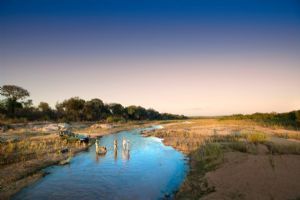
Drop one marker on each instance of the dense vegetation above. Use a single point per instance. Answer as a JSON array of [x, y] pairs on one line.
[[288, 120], [17, 107]]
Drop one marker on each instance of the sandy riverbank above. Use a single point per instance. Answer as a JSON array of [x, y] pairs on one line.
[[236, 159]]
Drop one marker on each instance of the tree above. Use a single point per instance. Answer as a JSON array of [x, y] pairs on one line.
[[153, 114], [15, 105], [46, 112], [94, 110], [136, 112], [130, 110], [28, 103], [72, 109], [141, 113], [13, 94], [44, 107], [297, 113], [2, 107], [116, 109]]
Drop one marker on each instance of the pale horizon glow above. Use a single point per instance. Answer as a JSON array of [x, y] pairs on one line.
[[192, 64]]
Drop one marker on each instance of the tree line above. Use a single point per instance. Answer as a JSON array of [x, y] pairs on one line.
[[288, 119], [16, 105]]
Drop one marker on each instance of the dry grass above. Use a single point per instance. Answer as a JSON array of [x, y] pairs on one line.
[[22, 160], [21, 151], [184, 141], [288, 135], [207, 141], [283, 148], [254, 137], [238, 146]]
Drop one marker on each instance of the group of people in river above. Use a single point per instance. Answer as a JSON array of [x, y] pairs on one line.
[[102, 150]]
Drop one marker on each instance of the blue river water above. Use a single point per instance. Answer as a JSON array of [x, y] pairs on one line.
[[148, 170]]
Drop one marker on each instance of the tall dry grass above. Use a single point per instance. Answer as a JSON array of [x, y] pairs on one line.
[[283, 148], [288, 135], [29, 149]]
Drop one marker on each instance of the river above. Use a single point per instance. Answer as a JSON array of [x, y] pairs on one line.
[[148, 170]]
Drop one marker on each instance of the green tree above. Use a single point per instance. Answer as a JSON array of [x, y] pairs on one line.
[[116, 109], [13, 95], [153, 114], [28, 103], [72, 109], [45, 111], [136, 112], [131, 110], [44, 107], [94, 110], [297, 113], [2, 107]]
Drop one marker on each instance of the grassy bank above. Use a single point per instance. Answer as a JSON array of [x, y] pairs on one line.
[[22, 161]]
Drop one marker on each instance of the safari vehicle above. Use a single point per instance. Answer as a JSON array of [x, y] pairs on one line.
[[80, 137]]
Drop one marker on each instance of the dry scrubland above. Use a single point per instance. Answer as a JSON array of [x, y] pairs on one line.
[[26, 149], [231, 159]]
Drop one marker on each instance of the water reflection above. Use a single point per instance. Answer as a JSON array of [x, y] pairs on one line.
[[115, 144], [116, 154], [125, 154], [144, 169]]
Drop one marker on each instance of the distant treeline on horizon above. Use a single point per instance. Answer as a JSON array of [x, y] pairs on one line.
[[16, 106], [288, 119]]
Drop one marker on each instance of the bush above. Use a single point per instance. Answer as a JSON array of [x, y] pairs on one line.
[[256, 137], [112, 119]]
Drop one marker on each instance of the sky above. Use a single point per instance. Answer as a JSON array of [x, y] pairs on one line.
[[204, 57]]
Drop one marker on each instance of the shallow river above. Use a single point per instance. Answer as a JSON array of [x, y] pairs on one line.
[[148, 170]]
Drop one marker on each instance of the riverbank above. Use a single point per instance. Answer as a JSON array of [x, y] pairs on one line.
[[26, 150], [236, 159]]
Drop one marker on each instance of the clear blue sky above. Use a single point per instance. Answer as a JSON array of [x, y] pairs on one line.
[[205, 57]]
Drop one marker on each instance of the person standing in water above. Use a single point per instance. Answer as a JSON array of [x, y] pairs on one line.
[[124, 143], [115, 149], [125, 149], [115, 144], [97, 145]]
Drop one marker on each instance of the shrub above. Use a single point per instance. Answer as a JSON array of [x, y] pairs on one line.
[[112, 119], [256, 137]]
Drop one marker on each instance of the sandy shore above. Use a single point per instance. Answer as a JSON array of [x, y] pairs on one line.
[[261, 163]]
